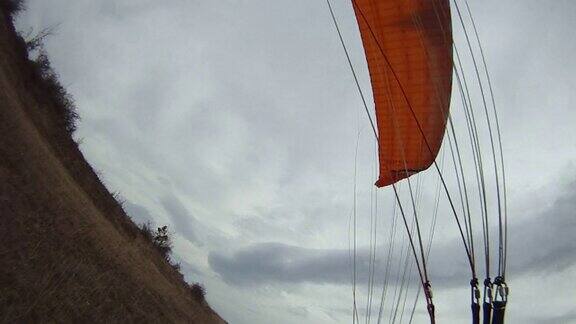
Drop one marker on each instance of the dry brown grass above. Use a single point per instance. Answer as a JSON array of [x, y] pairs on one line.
[[68, 251]]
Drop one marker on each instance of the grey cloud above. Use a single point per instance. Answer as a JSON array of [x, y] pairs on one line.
[[301, 311], [138, 213], [190, 272], [267, 263], [569, 317], [192, 229], [276, 262], [546, 246], [543, 243], [183, 220], [546, 242]]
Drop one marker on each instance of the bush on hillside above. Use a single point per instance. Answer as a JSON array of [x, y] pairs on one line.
[[159, 239], [198, 292], [11, 7], [66, 108], [146, 230], [162, 241], [35, 41]]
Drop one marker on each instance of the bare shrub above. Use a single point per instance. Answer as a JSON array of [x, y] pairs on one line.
[[176, 266], [66, 108], [146, 230], [162, 241], [11, 7], [119, 199], [47, 80], [198, 292], [35, 41]]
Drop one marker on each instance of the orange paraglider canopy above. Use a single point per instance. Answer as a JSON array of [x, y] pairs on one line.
[[408, 46]]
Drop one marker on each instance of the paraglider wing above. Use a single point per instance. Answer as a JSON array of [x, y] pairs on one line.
[[408, 46]]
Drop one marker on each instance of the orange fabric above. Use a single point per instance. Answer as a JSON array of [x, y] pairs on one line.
[[416, 39]]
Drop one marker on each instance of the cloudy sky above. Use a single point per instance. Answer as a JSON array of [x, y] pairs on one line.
[[236, 123]]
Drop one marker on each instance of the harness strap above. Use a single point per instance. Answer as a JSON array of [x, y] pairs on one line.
[[500, 300]]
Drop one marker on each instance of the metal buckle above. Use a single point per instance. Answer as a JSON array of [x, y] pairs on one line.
[[502, 290], [475, 292]]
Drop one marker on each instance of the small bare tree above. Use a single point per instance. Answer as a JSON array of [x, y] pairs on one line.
[[162, 241]]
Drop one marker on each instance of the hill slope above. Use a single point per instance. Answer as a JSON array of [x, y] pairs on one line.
[[68, 252]]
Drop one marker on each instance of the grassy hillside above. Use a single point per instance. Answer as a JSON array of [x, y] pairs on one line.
[[68, 251]]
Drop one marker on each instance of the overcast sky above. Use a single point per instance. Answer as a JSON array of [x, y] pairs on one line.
[[236, 122]]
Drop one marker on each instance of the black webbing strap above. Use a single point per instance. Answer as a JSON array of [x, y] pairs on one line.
[[487, 308], [487, 305], [475, 300], [475, 314], [498, 314], [500, 300]]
